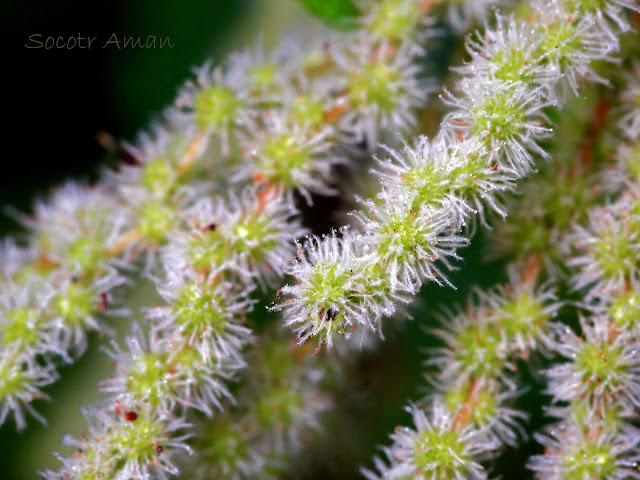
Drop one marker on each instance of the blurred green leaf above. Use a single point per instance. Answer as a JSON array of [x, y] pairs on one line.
[[338, 13]]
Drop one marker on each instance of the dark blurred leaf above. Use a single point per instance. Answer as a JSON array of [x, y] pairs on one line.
[[338, 13]]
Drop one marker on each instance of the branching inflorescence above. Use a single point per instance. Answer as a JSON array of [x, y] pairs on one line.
[[277, 127], [486, 142]]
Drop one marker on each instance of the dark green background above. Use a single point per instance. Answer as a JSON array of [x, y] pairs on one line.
[[55, 101]]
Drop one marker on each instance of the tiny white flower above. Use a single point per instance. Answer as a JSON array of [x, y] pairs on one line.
[[290, 155], [602, 368], [330, 294], [587, 451], [506, 117], [382, 87], [436, 447], [136, 444], [250, 235], [76, 227], [21, 379], [205, 314], [215, 104]]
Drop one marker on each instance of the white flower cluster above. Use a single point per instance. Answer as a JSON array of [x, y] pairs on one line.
[[280, 121], [278, 411], [194, 344], [54, 290], [486, 142], [470, 413], [206, 254], [469, 418], [596, 389]]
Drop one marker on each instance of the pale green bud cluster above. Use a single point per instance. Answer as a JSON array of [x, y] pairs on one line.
[[279, 129], [470, 410], [432, 190]]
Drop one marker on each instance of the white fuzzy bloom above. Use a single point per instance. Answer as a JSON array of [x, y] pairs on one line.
[[125, 445], [214, 104], [455, 177], [144, 358], [205, 315], [250, 235], [523, 309], [21, 377], [603, 367], [594, 451], [510, 52], [78, 309], [608, 249], [411, 245], [401, 236], [45, 316], [150, 167], [154, 371], [273, 76], [506, 117], [290, 155], [474, 348], [51, 316], [330, 293], [77, 225], [483, 403], [434, 448], [23, 317], [570, 41], [483, 339], [382, 88], [217, 251]]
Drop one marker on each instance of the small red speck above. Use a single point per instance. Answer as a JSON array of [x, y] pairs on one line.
[[131, 416], [494, 168], [103, 302]]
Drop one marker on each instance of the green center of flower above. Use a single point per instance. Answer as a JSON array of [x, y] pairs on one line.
[[283, 159], [216, 108], [440, 454], [374, 84], [198, 310], [23, 326], [589, 460]]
